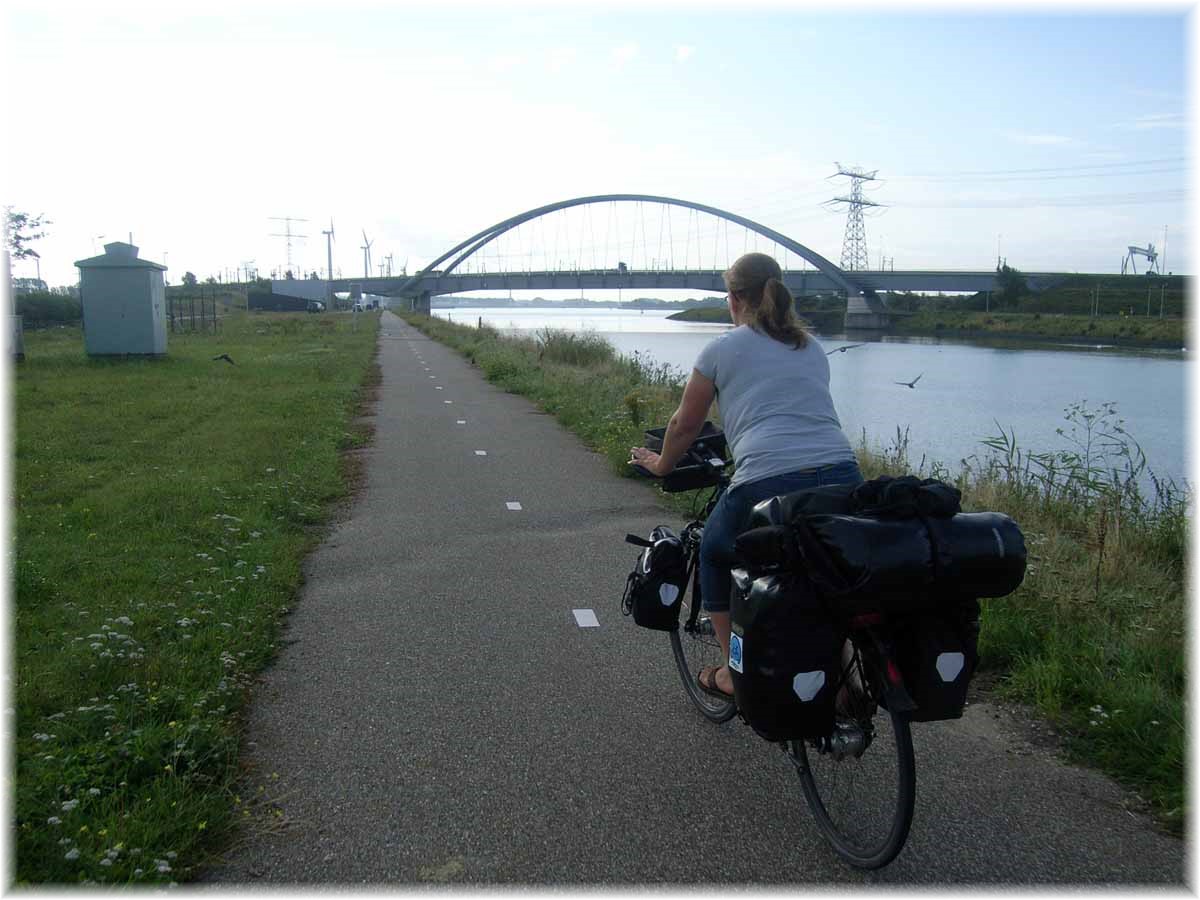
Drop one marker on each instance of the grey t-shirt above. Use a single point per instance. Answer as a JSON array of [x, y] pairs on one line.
[[775, 404]]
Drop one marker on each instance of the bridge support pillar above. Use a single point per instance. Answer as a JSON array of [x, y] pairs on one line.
[[866, 312], [423, 303]]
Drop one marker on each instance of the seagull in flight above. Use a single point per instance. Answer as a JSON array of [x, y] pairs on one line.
[[910, 384], [842, 349], [225, 356]]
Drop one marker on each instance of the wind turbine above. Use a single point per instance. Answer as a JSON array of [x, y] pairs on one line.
[[366, 249], [388, 259], [328, 264]]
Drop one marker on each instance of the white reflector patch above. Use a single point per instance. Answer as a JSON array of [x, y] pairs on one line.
[[513, 505], [807, 685], [949, 665], [586, 618], [667, 593]]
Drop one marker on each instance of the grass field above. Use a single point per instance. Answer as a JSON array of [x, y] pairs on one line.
[[161, 512], [1095, 637]]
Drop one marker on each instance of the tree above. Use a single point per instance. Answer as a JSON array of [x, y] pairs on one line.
[[189, 280], [1011, 284], [23, 229]]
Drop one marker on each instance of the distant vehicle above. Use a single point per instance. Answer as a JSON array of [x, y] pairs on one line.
[[315, 306]]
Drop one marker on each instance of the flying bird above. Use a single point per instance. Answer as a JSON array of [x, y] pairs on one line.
[[842, 349], [910, 384], [225, 356]]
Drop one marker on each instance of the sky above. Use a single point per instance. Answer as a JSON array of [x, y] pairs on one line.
[[1054, 137]]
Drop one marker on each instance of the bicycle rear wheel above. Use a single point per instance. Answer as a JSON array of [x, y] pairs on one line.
[[695, 646], [860, 782]]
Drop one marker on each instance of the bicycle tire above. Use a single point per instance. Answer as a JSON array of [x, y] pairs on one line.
[[694, 650], [866, 823]]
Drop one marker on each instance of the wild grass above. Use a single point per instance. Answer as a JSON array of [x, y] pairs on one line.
[[161, 512], [1094, 638]]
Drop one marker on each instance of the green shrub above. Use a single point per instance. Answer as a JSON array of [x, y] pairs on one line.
[[43, 307]]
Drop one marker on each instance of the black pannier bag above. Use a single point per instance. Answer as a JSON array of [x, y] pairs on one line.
[[654, 589], [937, 653], [783, 655]]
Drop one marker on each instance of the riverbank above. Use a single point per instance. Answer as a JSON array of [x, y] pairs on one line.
[[1103, 593], [1122, 331]]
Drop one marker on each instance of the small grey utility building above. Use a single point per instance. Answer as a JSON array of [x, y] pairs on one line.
[[123, 301]]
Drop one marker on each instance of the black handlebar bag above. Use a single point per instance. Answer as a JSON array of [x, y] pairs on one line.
[[654, 589], [783, 655]]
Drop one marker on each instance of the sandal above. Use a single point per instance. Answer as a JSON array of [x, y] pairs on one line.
[[711, 686]]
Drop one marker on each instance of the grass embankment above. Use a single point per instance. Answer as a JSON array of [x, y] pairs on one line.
[[162, 510], [1140, 331], [822, 321], [1094, 638], [1143, 331]]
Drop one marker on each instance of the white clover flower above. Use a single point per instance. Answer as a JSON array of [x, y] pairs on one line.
[[123, 620], [72, 854], [54, 820], [68, 805], [42, 737], [106, 861], [94, 792]]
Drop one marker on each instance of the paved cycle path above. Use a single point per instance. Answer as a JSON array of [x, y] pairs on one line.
[[437, 714]]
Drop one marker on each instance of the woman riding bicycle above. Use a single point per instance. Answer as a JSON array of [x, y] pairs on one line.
[[771, 379]]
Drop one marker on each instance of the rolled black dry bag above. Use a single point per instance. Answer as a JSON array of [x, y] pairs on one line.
[[978, 554], [783, 655]]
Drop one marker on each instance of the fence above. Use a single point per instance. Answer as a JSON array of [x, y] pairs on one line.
[[196, 313]]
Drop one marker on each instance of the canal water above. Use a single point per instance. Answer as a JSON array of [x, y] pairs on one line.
[[967, 391]]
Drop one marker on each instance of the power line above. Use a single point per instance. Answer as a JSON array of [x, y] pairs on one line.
[[1075, 168]]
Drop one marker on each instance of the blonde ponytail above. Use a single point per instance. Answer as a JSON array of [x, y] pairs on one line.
[[757, 281]]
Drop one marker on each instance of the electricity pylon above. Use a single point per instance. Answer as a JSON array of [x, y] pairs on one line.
[[854, 244]]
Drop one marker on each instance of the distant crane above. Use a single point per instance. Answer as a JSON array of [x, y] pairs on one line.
[[366, 249], [1149, 252]]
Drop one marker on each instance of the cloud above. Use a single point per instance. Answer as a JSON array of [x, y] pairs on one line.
[[1156, 120], [559, 58], [506, 62], [1038, 140], [683, 53], [624, 53]]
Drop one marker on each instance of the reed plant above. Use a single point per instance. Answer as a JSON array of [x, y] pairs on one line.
[[1094, 638]]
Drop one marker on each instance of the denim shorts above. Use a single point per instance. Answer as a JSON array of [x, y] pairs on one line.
[[728, 519]]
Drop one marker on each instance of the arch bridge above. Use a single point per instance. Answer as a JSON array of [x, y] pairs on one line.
[[864, 309]]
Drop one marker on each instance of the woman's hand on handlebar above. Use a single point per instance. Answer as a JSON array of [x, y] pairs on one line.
[[648, 460]]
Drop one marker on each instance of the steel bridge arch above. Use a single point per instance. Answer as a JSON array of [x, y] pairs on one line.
[[476, 242]]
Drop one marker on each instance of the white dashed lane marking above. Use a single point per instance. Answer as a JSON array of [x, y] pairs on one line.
[[439, 388], [513, 505], [462, 421], [447, 401], [586, 618], [481, 453]]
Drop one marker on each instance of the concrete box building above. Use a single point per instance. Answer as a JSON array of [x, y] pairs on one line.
[[123, 301]]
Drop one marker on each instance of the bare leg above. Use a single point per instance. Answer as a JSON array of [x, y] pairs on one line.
[[720, 623]]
